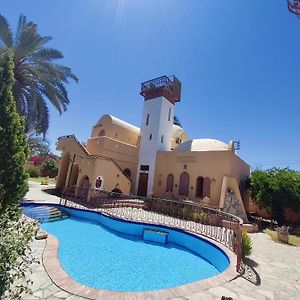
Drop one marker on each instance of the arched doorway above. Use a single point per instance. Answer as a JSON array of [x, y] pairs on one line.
[[84, 187], [74, 175], [170, 181], [206, 187], [184, 181], [63, 171], [199, 187]]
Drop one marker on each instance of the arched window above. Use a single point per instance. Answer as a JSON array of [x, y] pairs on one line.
[[169, 116], [147, 120], [127, 173], [184, 180], [102, 132], [170, 181], [162, 138], [150, 138], [99, 182], [199, 187], [206, 187]]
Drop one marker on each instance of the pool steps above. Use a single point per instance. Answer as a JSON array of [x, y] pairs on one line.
[[157, 236], [47, 214]]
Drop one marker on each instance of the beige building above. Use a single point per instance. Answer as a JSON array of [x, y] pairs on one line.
[[156, 159]]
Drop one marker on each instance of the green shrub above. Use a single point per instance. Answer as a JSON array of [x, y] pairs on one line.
[[246, 244], [275, 190], [49, 168], [33, 172]]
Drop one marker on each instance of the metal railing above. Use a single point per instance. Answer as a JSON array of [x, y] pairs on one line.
[[189, 216]]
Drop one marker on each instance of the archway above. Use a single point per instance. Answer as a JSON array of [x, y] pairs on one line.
[[199, 187], [206, 187], [63, 171], [184, 181], [170, 181], [74, 175], [84, 187]]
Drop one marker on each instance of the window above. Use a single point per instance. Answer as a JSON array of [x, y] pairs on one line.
[[169, 116], [184, 180], [150, 138], [127, 173], [147, 120], [162, 139], [102, 132], [144, 168], [170, 181]]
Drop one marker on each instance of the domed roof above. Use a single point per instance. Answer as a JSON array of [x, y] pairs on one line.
[[202, 145]]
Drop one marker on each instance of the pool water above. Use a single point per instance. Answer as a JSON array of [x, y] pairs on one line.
[[102, 258]]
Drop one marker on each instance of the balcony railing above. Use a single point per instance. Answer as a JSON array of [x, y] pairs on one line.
[[170, 84], [212, 223]]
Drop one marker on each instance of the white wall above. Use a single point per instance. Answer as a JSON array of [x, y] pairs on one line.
[[158, 110]]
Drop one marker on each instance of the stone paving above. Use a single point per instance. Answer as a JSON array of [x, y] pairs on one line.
[[276, 269]]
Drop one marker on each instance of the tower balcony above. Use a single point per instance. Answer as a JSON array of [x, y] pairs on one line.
[[168, 87]]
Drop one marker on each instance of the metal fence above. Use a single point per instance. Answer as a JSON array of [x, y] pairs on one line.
[[193, 217]]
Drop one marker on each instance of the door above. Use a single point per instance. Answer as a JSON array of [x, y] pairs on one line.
[[143, 184]]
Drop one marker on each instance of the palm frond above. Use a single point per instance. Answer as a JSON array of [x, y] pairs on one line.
[[6, 36]]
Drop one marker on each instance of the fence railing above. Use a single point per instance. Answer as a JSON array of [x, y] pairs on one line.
[[193, 217]]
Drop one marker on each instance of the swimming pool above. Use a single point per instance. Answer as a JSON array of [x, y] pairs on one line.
[[111, 254]]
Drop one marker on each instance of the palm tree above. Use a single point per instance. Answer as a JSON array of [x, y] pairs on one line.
[[38, 79]]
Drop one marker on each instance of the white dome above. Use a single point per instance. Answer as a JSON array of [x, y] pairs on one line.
[[202, 145]]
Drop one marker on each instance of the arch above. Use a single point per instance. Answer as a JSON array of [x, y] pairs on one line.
[[74, 174], [127, 173], [199, 187], [102, 132], [63, 170], [206, 187], [170, 182], [147, 120], [84, 187], [184, 181]]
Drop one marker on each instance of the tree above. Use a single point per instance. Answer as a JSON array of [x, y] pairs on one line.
[[50, 168], [15, 233], [13, 147], [38, 78], [37, 145], [276, 189], [176, 121]]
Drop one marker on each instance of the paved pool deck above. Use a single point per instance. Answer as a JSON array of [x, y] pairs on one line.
[[274, 270]]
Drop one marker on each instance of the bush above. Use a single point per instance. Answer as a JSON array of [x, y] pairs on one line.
[[33, 172], [49, 168], [275, 190], [246, 244]]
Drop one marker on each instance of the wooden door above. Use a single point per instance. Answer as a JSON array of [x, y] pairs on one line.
[[143, 184]]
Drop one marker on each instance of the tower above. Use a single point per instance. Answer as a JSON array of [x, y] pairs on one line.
[[160, 95]]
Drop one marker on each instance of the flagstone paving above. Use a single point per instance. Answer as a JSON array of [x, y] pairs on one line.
[[275, 270]]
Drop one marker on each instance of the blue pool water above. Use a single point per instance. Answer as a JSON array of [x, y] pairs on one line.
[[110, 254]]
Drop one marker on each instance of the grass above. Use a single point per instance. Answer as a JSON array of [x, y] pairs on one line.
[[293, 239], [43, 180]]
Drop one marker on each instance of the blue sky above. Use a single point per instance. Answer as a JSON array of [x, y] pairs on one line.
[[238, 61]]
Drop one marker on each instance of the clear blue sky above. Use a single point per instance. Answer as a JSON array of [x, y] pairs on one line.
[[238, 61]]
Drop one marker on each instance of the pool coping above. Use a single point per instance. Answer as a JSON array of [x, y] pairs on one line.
[[60, 278]]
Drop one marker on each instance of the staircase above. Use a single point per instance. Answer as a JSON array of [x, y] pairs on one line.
[[44, 213]]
